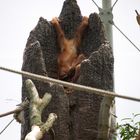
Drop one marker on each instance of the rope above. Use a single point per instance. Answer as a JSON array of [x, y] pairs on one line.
[[111, 22], [6, 126], [99, 7], [96, 4], [124, 35], [88, 89], [114, 4]]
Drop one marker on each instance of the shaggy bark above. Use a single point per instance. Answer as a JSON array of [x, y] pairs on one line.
[[80, 116]]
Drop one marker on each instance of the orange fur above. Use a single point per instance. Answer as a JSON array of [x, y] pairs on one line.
[[68, 58]]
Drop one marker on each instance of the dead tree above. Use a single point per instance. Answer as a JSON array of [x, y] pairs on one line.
[[80, 116], [36, 106]]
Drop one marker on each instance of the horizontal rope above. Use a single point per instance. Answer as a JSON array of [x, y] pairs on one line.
[[88, 89]]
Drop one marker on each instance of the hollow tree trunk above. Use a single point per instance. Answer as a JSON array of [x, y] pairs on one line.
[[81, 116]]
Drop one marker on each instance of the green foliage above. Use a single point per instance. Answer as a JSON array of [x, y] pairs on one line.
[[129, 128]]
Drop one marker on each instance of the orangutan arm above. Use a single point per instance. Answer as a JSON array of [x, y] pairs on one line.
[[80, 30]]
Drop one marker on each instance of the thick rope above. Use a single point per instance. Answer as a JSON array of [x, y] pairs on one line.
[[86, 89]]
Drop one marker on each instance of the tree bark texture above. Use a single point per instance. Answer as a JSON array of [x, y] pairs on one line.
[[78, 113]]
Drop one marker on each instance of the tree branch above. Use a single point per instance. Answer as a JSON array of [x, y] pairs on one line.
[[36, 107]]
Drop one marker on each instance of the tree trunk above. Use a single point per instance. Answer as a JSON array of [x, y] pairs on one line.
[[81, 116]]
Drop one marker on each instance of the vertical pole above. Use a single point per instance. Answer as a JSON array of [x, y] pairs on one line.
[[108, 16], [107, 19], [107, 118]]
